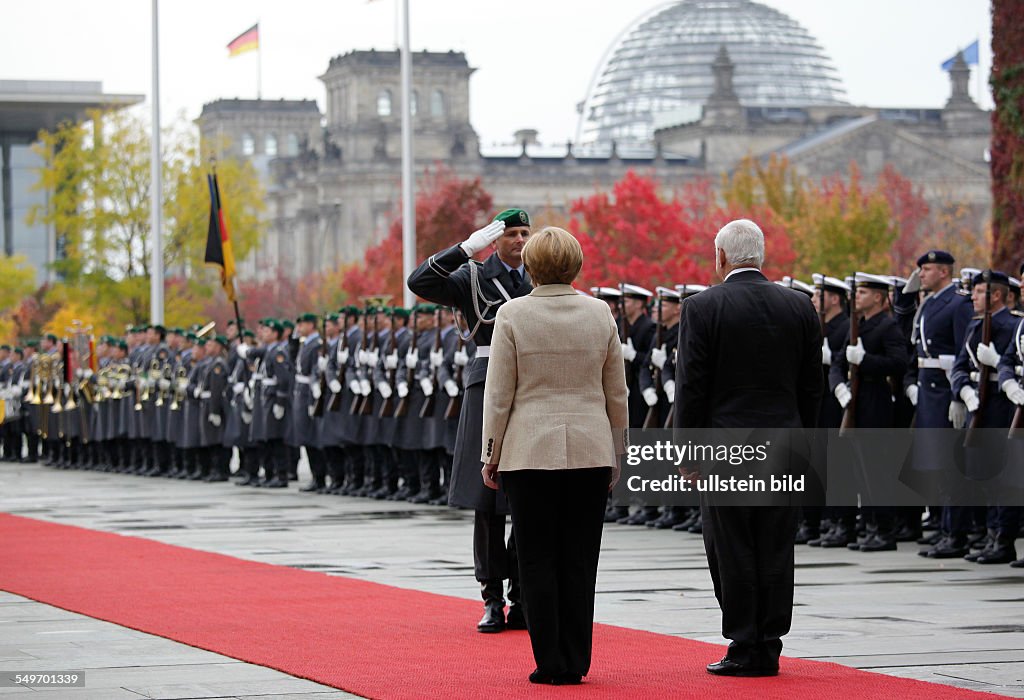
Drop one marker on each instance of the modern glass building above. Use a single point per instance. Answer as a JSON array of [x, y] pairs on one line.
[[26, 108], [659, 69]]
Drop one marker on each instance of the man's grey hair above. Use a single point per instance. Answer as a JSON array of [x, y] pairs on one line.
[[743, 243]]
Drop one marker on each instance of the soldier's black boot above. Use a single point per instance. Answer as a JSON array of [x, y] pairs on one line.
[[442, 498], [516, 619], [1002, 551], [428, 479], [950, 547], [615, 513], [982, 546], [690, 519], [494, 607], [643, 516], [808, 531]]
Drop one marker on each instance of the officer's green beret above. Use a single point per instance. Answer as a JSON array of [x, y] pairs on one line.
[[331, 316], [371, 309], [248, 333], [350, 311], [400, 312], [287, 323], [19, 351], [191, 337], [307, 318], [514, 217], [386, 310], [234, 322], [200, 341], [159, 328], [274, 325], [122, 345], [425, 308], [223, 340], [31, 343], [5, 346], [51, 337], [177, 330]]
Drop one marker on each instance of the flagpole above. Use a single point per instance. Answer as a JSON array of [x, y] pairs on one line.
[[156, 273], [408, 206], [259, 66]]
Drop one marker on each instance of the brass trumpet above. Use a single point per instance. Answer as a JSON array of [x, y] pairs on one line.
[[177, 392]]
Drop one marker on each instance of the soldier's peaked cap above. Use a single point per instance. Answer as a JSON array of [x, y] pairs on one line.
[[941, 257], [688, 290], [832, 284], [636, 292], [796, 284], [864, 279], [996, 277], [666, 294], [605, 292]]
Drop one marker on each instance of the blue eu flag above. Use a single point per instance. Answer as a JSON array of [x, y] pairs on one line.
[[970, 56]]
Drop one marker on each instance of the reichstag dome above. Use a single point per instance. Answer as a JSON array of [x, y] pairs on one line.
[[658, 71]]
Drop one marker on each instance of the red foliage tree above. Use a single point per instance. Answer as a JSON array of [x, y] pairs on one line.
[[910, 212], [1007, 164], [447, 211]]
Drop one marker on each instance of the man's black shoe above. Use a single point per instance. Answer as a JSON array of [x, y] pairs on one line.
[[516, 620], [806, 533], [310, 487], [876, 543], [727, 667], [1001, 552], [275, 483], [949, 548], [493, 619]]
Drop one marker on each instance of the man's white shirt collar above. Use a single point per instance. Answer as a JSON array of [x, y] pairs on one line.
[[741, 269]]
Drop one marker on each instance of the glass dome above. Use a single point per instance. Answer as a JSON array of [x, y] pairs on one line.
[[661, 66]]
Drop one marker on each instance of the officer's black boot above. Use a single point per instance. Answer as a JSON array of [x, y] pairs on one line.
[[1002, 550], [442, 499], [516, 613], [494, 607]]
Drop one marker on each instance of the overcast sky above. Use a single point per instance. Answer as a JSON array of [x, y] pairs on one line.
[[534, 58]]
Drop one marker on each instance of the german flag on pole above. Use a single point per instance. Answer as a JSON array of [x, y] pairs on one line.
[[218, 242], [249, 40]]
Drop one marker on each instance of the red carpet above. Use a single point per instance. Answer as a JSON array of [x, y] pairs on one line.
[[370, 639]]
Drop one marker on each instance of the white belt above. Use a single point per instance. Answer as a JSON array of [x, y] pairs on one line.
[[483, 351], [272, 381], [976, 376], [929, 363], [302, 379]]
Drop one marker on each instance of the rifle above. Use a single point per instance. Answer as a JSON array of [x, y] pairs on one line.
[[652, 411], [850, 413], [984, 371], [355, 408], [366, 406], [428, 406], [318, 405], [387, 409], [410, 372], [455, 402], [334, 404], [623, 329], [821, 306]]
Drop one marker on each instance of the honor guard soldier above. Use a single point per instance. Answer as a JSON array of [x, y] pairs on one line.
[[879, 353], [452, 278], [275, 404], [303, 428], [398, 376], [1011, 377], [215, 457]]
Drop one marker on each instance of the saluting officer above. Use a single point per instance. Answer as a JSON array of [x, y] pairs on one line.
[[452, 278]]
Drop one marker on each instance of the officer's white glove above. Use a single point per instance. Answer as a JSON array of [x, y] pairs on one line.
[[451, 388], [321, 363], [278, 411], [412, 358], [205, 395], [196, 392], [247, 417], [247, 400], [391, 361], [214, 420], [479, 240], [237, 388], [385, 389], [78, 373], [353, 386], [670, 390], [1013, 391], [957, 414], [242, 350], [650, 395], [970, 397], [842, 394], [913, 285], [403, 390], [364, 387], [164, 384], [342, 356], [436, 358], [315, 388], [855, 353], [372, 358], [310, 410], [658, 357], [826, 352], [335, 386], [461, 358], [988, 355], [628, 351], [427, 386], [911, 392], [361, 358], [87, 373]]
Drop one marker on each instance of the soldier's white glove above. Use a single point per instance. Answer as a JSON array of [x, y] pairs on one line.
[[247, 400], [412, 358], [970, 397], [628, 351], [237, 388], [391, 361], [451, 388], [842, 394], [87, 373], [247, 417], [321, 363], [353, 386], [310, 410], [205, 395], [480, 239], [650, 395], [403, 390], [361, 356], [855, 353], [1013, 391], [461, 358], [196, 392], [214, 420], [78, 373], [385, 389], [342, 356], [436, 358], [164, 384], [182, 384], [372, 358], [315, 388], [957, 414], [913, 285], [658, 357], [911, 392], [364, 387], [670, 390], [826, 352], [427, 386], [988, 355], [242, 349], [335, 386], [278, 411]]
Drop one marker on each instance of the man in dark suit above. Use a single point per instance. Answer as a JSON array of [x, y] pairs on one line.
[[749, 357]]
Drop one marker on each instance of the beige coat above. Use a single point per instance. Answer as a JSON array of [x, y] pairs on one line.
[[555, 395]]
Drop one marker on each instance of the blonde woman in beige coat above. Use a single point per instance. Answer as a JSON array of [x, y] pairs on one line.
[[554, 419]]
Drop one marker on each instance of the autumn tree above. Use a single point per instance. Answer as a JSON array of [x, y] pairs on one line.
[[1007, 163], [17, 280]]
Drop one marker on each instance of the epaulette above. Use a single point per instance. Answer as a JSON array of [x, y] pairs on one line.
[[1018, 314]]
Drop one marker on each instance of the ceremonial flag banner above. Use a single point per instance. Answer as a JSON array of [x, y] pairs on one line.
[[249, 40], [970, 56], [218, 242]]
